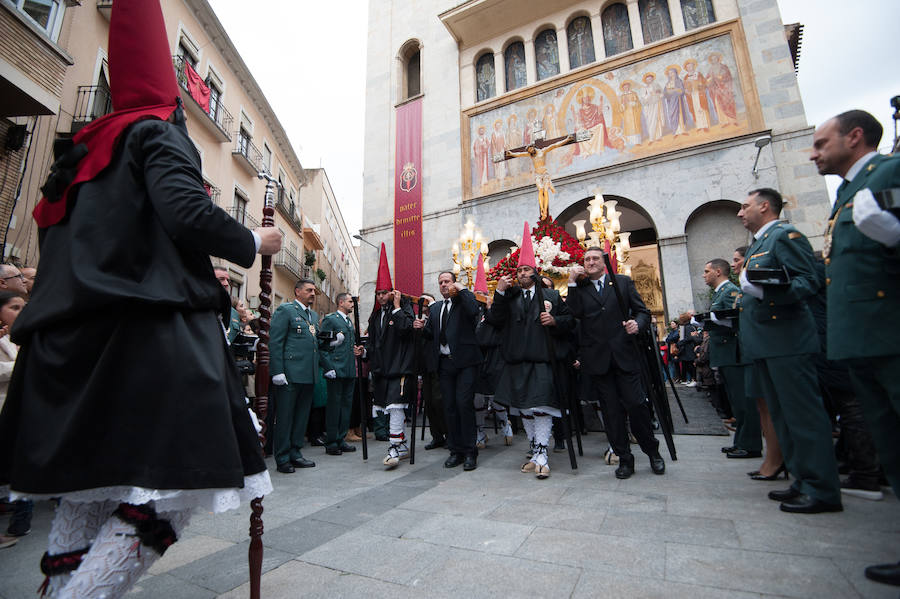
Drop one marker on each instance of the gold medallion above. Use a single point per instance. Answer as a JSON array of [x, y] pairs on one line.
[[312, 329]]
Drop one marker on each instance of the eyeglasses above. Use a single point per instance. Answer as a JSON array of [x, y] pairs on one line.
[[18, 276]]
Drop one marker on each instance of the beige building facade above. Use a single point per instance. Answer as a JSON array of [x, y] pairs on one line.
[[690, 104]]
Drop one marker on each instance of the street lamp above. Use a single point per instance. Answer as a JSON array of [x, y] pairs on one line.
[[358, 236]]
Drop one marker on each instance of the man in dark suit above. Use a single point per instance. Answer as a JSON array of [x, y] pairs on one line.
[[862, 263], [450, 331], [610, 359]]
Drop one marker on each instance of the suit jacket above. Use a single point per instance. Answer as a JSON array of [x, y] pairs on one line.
[[293, 347], [460, 330], [862, 276], [340, 358], [523, 335], [391, 348], [602, 338], [780, 324], [723, 340]]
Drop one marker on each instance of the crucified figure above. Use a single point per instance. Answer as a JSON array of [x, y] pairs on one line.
[[542, 178]]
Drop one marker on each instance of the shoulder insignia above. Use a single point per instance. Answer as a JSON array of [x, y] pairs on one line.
[[794, 235], [759, 254], [870, 168], [734, 294]]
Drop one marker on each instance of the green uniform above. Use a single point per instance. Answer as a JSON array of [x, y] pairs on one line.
[[779, 334], [234, 326], [340, 389], [863, 285], [294, 352], [725, 354]]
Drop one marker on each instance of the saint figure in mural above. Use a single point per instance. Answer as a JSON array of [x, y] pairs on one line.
[[677, 117], [549, 122], [486, 78], [498, 145], [695, 91], [652, 102], [514, 139], [531, 123], [581, 42], [590, 117], [630, 105], [546, 55], [481, 150], [721, 87], [541, 176]]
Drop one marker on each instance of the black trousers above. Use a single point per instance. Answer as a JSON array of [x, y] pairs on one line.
[[434, 406], [458, 395], [621, 400]]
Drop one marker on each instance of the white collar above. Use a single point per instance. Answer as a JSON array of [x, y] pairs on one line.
[[765, 228], [719, 286], [858, 165]]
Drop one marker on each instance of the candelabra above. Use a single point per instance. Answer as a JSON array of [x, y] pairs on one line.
[[605, 227], [466, 250]]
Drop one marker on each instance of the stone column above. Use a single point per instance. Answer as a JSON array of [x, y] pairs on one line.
[[499, 73], [676, 274], [530, 63], [634, 17], [562, 45], [677, 17], [597, 33]]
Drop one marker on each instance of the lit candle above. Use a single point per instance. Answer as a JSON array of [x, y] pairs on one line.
[[487, 261], [624, 241], [455, 250], [579, 229], [456, 268], [610, 207], [467, 261]]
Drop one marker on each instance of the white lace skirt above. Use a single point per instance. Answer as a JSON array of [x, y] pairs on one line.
[[210, 500]]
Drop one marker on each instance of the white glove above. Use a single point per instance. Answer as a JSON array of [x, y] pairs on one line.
[[255, 421], [751, 288], [695, 323], [338, 339], [725, 322], [331, 374], [873, 222], [279, 379]]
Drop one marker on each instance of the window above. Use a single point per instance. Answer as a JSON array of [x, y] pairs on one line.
[[215, 98], [581, 42], [486, 78], [244, 141], [237, 287], [186, 53], [267, 159], [514, 64], [240, 208], [697, 13], [413, 72], [616, 29], [546, 54], [655, 20], [46, 14]]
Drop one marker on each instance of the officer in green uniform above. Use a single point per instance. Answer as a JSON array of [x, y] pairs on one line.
[[725, 354], [233, 327], [778, 332], [294, 362], [862, 269], [339, 363]]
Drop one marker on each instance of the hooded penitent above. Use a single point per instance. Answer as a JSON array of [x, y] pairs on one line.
[[384, 273], [526, 251], [142, 85], [480, 277]]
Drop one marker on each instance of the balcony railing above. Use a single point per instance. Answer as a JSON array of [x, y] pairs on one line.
[[288, 209], [289, 262], [214, 192], [247, 154], [241, 216], [214, 113], [92, 102]]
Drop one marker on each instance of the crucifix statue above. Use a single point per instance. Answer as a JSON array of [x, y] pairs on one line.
[[537, 152]]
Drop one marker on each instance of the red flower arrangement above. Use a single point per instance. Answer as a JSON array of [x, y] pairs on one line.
[[507, 266]]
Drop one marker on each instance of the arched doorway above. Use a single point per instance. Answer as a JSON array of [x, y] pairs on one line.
[[713, 231], [643, 258]]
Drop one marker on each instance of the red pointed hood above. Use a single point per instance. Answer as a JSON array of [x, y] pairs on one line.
[[526, 251], [142, 84], [384, 272], [480, 277]]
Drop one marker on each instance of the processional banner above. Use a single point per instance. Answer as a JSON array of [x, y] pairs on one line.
[[408, 199]]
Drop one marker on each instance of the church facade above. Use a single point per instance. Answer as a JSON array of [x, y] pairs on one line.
[[681, 107]]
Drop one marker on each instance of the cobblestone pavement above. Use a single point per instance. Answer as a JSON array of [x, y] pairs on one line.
[[351, 529]]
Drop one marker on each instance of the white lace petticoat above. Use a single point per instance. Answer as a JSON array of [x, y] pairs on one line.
[[210, 500]]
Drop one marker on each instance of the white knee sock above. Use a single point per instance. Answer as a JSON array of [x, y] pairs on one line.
[[74, 527], [117, 559], [397, 417], [528, 425], [543, 426]]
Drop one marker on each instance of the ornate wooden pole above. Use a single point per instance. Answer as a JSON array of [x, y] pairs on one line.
[[261, 403]]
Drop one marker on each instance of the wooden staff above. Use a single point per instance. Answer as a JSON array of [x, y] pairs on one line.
[[360, 383], [418, 395], [261, 403]]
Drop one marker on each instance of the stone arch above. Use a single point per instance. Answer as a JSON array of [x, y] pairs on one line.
[[713, 230], [409, 58]]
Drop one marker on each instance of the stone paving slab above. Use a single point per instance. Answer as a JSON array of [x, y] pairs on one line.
[[471, 533]]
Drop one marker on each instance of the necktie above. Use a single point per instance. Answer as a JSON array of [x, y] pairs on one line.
[[445, 311], [527, 296], [600, 287]]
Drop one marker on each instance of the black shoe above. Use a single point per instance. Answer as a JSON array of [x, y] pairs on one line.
[[285, 468], [302, 462], [625, 470], [727, 449], [760, 476], [434, 444], [743, 454], [318, 441], [333, 451], [885, 573], [453, 461], [786, 495], [470, 463], [657, 464], [804, 504], [347, 448], [559, 446]]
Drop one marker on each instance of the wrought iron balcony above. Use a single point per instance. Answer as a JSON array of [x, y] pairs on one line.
[[214, 115], [288, 262], [247, 154], [288, 209], [92, 102], [241, 216]]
